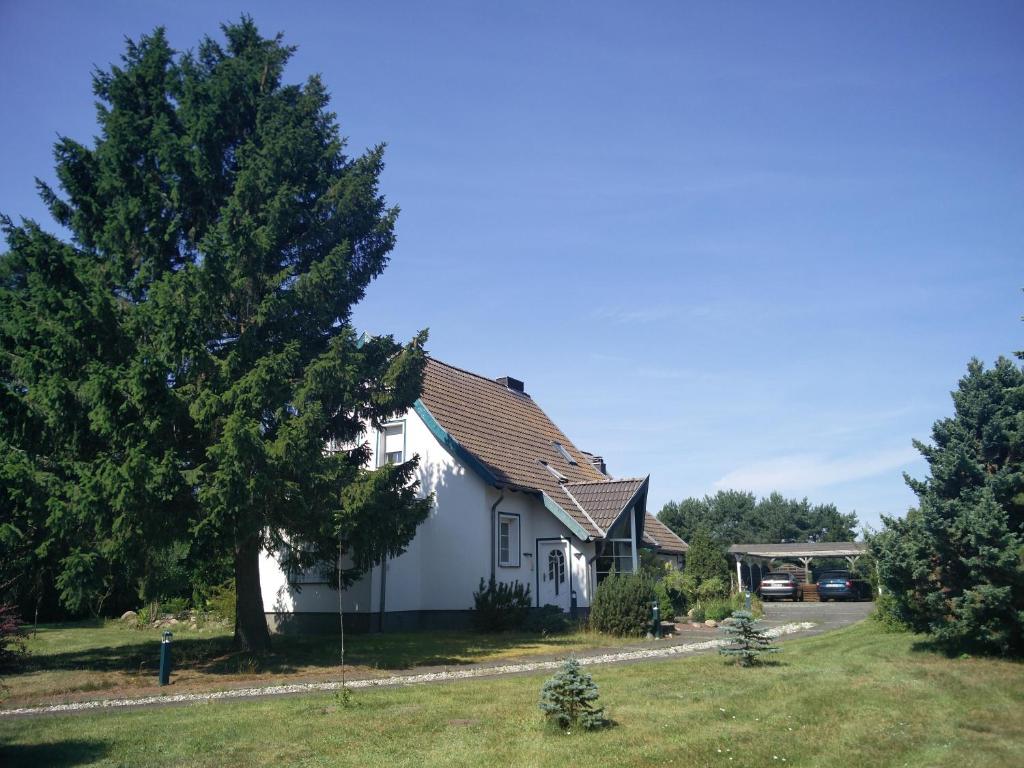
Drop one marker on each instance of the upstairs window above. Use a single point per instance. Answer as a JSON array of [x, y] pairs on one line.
[[508, 541], [391, 448]]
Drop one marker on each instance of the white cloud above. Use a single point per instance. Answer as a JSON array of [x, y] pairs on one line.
[[798, 473]]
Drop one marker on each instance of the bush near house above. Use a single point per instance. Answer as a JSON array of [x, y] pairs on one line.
[[622, 605], [498, 606]]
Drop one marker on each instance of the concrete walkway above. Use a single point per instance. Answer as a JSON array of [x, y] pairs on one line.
[[781, 619]]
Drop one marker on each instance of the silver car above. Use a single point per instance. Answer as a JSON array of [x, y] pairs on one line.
[[780, 585]]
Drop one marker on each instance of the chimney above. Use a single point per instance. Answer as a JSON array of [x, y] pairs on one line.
[[599, 465], [514, 384]]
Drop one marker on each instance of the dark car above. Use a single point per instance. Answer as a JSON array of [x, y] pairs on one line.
[[842, 585], [779, 585]]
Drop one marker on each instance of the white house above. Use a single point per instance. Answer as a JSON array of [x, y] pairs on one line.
[[514, 498]]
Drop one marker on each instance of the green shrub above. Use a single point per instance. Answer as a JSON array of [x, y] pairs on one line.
[[221, 602], [674, 584], [569, 699], [547, 620], [622, 605], [712, 589], [665, 606], [719, 609], [887, 614], [498, 606]]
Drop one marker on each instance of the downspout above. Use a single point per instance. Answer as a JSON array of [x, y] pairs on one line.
[[494, 534], [383, 588]]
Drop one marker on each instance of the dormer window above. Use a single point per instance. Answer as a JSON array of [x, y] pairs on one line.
[[391, 444], [565, 454], [558, 475]]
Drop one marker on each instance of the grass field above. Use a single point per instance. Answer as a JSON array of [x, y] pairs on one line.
[[107, 658], [855, 697]]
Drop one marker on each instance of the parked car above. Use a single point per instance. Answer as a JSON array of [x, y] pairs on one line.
[[779, 585], [842, 585]]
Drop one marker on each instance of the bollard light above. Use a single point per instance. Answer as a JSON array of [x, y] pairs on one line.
[[656, 619], [165, 658]]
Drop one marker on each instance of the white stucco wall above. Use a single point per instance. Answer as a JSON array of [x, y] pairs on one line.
[[452, 550]]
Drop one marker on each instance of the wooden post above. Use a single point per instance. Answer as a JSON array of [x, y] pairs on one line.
[[739, 574], [807, 569]]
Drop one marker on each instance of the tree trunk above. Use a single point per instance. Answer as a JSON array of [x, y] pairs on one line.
[[251, 631]]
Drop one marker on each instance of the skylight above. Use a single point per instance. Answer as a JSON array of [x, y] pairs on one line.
[[565, 454], [558, 475]]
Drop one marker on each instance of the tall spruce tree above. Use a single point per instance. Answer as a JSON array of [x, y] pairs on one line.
[[954, 567], [175, 371]]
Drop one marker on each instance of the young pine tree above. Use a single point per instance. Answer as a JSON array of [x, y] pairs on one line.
[[569, 698], [746, 642]]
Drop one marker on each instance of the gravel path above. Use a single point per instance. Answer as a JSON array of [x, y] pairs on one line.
[[395, 680]]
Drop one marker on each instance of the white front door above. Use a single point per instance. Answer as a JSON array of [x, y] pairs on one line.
[[554, 583]]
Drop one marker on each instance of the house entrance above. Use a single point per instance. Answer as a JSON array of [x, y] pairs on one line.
[[554, 582]]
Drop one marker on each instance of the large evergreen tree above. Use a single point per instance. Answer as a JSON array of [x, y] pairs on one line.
[[953, 567], [175, 371]]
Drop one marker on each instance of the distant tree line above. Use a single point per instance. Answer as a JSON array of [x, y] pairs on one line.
[[734, 517]]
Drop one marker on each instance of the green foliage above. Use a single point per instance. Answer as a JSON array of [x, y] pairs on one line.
[[673, 587], [952, 567], [174, 370], [499, 606], [569, 699], [622, 605], [886, 614], [732, 517], [547, 620], [746, 642], [712, 589], [718, 608], [705, 559], [221, 602]]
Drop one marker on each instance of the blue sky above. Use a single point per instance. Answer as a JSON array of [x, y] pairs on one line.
[[742, 245]]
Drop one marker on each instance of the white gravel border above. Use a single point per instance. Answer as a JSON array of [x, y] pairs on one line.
[[429, 677]]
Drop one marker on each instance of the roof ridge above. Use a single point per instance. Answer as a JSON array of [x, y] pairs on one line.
[[473, 373], [607, 481]]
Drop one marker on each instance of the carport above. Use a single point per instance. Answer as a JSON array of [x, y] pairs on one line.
[[764, 556]]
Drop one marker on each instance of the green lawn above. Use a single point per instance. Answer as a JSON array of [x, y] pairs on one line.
[[102, 659], [856, 697]]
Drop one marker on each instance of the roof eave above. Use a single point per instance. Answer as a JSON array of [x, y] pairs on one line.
[[453, 446]]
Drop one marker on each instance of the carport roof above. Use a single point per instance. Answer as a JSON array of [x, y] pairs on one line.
[[805, 549]]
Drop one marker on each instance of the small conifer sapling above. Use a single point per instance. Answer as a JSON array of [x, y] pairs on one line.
[[569, 698], [746, 642]]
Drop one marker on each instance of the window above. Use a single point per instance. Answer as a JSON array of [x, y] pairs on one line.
[[508, 541], [614, 555], [391, 447], [565, 454], [317, 573], [556, 568]]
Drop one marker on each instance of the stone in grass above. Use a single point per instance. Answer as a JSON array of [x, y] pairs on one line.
[[746, 642], [129, 616], [569, 699]]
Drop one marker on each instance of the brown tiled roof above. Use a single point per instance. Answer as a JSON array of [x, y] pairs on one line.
[[659, 534], [605, 500], [510, 435]]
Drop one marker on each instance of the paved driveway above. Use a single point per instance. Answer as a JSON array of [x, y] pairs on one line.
[[827, 616]]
